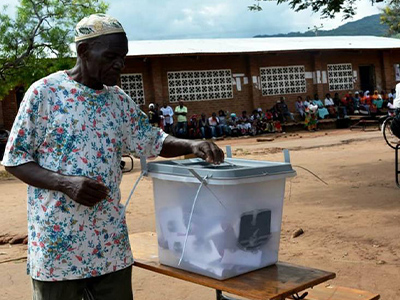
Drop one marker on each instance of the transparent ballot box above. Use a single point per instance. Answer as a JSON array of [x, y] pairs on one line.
[[219, 220]]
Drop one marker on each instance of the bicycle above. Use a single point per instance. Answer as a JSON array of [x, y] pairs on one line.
[[388, 135], [393, 141]]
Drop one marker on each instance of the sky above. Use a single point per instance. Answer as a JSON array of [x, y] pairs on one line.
[[196, 19]]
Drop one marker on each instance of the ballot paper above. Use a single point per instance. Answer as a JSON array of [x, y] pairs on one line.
[[240, 257], [171, 222], [212, 248]]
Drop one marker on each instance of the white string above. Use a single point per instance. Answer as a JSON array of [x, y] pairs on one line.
[[190, 219], [129, 198]]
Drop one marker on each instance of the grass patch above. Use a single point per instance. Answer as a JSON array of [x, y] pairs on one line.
[[4, 175]]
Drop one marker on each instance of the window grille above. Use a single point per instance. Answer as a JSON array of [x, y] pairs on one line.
[[200, 85], [132, 84], [340, 77], [283, 80]]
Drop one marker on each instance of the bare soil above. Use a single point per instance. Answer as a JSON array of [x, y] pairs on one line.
[[351, 226]]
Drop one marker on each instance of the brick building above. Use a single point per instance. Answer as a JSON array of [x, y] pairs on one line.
[[243, 74]]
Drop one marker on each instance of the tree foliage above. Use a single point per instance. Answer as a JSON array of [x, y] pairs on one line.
[[41, 29], [391, 17], [327, 8]]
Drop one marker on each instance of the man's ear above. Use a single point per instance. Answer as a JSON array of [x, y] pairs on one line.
[[82, 50]]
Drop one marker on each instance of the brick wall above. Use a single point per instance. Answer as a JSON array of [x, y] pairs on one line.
[[155, 71], [390, 58], [282, 59]]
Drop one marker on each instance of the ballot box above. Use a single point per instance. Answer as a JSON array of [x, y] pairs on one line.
[[219, 220]]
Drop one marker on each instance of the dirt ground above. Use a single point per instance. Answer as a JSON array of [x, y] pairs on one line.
[[351, 226]]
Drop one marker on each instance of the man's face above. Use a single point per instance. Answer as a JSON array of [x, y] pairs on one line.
[[105, 58]]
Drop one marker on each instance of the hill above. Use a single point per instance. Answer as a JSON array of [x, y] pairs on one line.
[[366, 26]]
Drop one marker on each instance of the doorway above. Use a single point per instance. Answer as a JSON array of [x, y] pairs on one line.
[[367, 78]]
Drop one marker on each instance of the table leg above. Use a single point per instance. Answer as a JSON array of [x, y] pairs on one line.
[[221, 296]]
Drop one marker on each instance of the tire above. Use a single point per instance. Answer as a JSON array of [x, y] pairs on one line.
[[388, 135]]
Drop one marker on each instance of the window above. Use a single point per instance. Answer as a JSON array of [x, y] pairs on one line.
[[340, 77], [283, 80], [200, 85], [132, 84]]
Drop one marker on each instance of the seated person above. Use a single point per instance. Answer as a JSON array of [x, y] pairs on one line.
[[347, 101], [300, 108], [244, 123], [330, 105], [223, 123], [356, 103], [204, 127], [322, 111], [274, 113], [268, 122], [307, 101], [336, 100], [193, 127], [285, 110], [213, 123], [376, 95], [233, 124], [277, 111], [257, 122], [341, 109], [378, 103], [365, 103]]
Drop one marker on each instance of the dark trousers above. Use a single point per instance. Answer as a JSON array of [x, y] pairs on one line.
[[116, 285], [181, 129], [169, 128]]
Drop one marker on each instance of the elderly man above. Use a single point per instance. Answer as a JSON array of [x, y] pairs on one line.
[[66, 144]]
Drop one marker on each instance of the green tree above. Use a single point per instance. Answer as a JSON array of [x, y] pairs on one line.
[[391, 17], [36, 41], [327, 8]]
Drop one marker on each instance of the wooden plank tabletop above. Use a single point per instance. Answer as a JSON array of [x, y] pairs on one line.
[[339, 293], [274, 282]]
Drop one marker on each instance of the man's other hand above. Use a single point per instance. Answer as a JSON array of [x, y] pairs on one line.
[[84, 190]]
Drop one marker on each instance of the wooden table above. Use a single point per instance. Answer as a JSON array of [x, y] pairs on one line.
[[275, 282]]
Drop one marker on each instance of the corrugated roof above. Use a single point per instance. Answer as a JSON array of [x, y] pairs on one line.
[[254, 45]]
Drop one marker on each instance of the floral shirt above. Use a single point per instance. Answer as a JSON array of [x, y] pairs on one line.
[[69, 128]]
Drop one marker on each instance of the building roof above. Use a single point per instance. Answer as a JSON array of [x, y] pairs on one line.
[[258, 45]]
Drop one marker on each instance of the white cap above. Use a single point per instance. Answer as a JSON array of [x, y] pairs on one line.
[[96, 25]]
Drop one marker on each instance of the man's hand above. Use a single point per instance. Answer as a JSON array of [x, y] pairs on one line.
[[81, 189], [84, 190], [208, 151]]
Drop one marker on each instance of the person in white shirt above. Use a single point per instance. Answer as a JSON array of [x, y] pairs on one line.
[[213, 122], [330, 105], [168, 113]]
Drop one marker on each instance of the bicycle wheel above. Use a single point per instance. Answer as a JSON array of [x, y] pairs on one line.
[[388, 135]]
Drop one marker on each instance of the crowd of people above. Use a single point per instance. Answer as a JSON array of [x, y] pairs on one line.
[[259, 121], [224, 123], [359, 103]]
